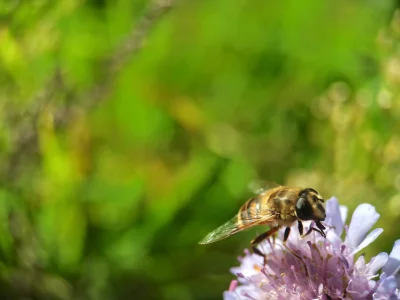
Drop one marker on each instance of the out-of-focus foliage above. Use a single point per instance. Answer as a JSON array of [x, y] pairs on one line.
[[115, 200]]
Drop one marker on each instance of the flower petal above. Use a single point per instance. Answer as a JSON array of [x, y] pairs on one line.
[[333, 216], [364, 217], [248, 292], [358, 288], [334, 239], [368, 240], [343, 213], [233, 285], [387, 287], [393, 262], [377, 262], [230, 296], [250, 265], [360, 264]]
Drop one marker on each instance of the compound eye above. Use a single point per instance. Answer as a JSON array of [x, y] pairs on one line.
[[303, 209]]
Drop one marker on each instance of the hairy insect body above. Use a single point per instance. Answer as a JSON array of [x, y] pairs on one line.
[[278, 202]]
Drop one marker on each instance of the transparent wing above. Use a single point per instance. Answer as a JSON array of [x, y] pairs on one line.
[[231, 227], [258, 186]]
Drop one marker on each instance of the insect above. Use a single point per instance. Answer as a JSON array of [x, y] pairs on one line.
[[276, 207]]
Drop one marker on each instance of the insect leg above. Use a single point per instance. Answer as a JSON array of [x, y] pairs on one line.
[[257, 251], [286, 235], [264, 235], [300, 226], [291, 251], [260, 238], [320, 226], [319, 230], [308, 232]]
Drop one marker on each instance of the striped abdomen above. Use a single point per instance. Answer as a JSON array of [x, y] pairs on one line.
[[280, 202]]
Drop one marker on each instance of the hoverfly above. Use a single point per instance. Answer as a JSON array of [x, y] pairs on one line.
[[276, 207]]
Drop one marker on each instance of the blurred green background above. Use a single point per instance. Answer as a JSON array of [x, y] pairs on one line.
[[111, 176]]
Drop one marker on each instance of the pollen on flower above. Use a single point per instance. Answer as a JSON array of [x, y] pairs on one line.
[[318, 268], [256, 267]]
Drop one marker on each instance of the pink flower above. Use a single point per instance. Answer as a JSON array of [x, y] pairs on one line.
[[318, 268]]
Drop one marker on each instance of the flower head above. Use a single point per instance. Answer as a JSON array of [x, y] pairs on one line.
[[317, 268]]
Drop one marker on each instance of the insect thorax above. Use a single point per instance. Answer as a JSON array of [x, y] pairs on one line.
[[284, 203]]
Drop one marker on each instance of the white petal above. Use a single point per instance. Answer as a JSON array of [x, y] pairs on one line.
[[250, 290], [247, 267], [364, 217], [368, 240], [360, 264], [377, 262], [371, 284], [393, 262], [343, 213], [334, 239], [333, 216]]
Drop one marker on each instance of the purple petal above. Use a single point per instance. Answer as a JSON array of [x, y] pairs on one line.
[[364, 217], [230, 296], [387, 286], [358, 288], [333, 217], [377, 262], [368, 240], [378, 297], [393, 262]]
